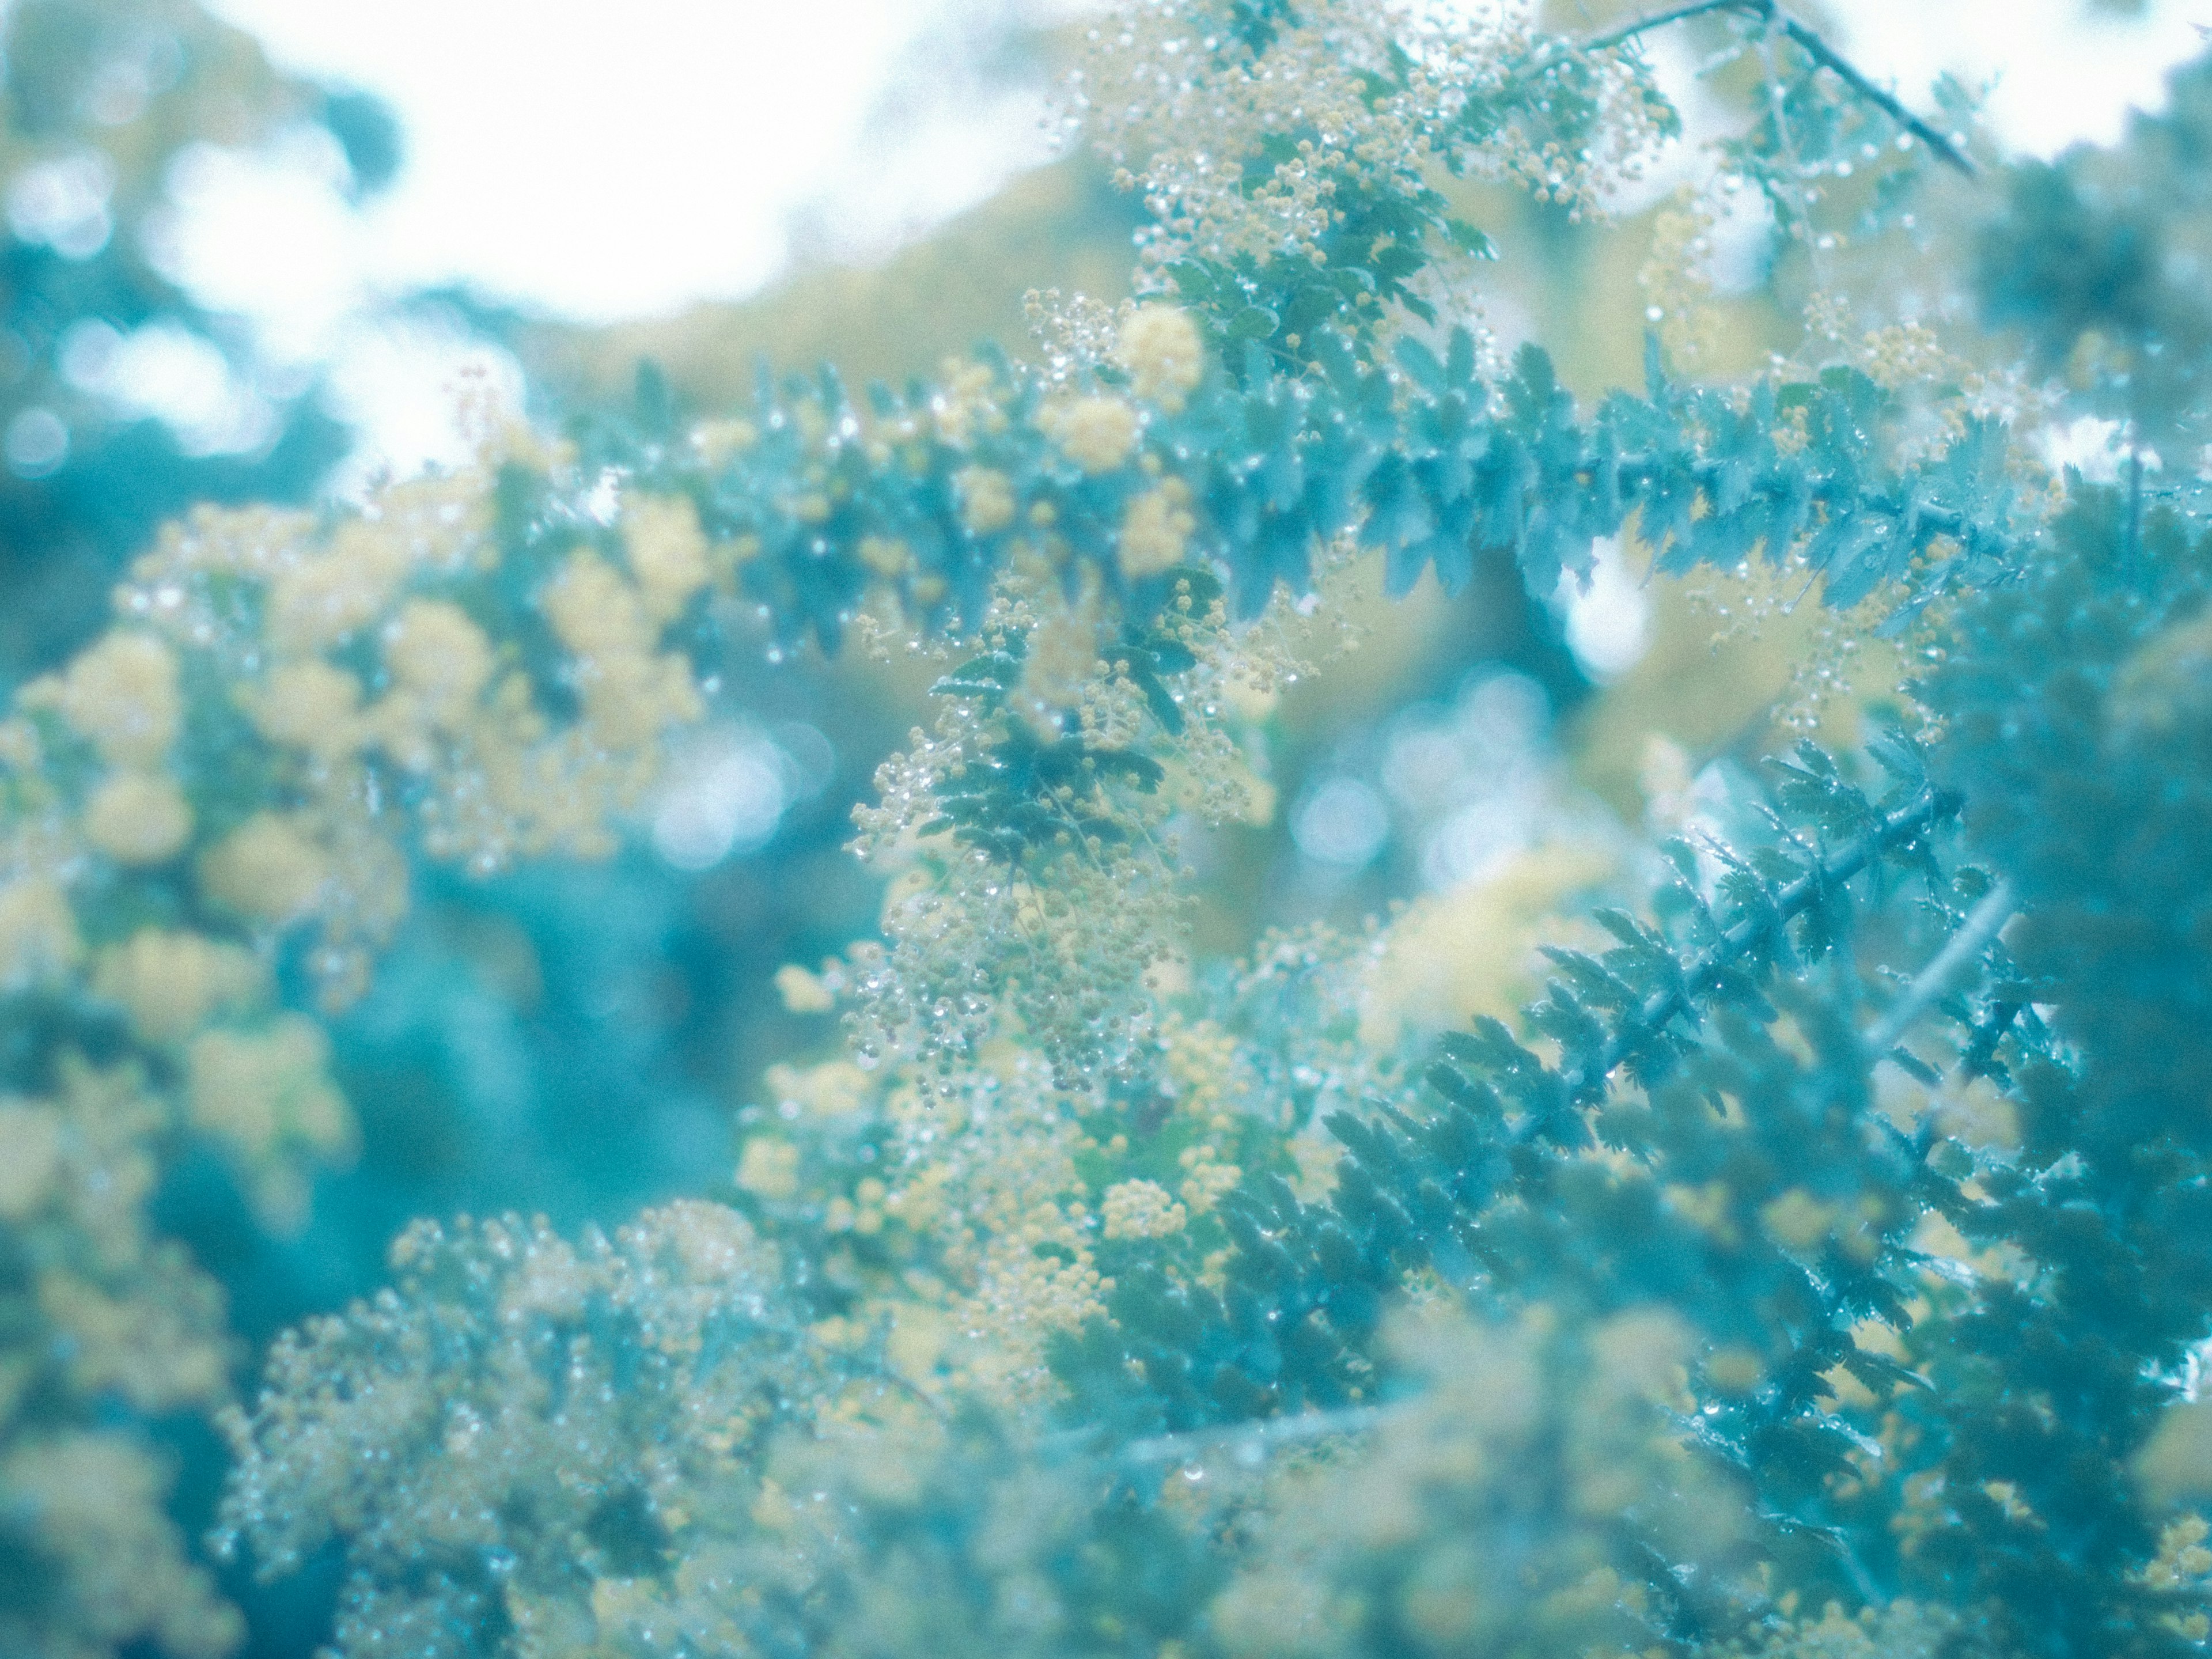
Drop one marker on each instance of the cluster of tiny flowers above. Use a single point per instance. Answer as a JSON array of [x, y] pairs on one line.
[[1055, 940], [1178, 99], [102, 1309], [560, 1440], [987, 1177], [1073, 333], [362, 656], [1417, 1511]]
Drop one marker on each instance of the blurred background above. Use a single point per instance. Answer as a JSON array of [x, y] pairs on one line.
[[260, 249]]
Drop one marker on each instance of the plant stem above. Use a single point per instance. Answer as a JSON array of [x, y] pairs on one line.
[[1808, 42]]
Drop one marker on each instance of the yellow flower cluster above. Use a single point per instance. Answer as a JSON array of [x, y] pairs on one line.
[[986, 499], [1140, 1209], [122, 696], [1098, 433], [989, 1177], [38, 938], [1243, 152], [110, 1312], [1155, 529], [266, 1093], [168, 984], [452, 714], [967, 404], [1160, 348]]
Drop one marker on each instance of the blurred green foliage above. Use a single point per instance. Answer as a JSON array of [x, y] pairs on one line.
[[1811, 1266]]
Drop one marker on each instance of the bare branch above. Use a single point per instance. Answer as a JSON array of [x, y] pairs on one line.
[[1249, 1443], [1983, 924]]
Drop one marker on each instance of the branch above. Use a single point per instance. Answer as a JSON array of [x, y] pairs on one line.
[[1615, 37], [1249, 1443], [1826, 56], [1983, 924], [1905, 823]]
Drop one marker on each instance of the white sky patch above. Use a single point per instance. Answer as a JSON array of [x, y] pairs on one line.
[[165, 371], [1608, 621], [608, 161], [417, 392], [2065, 73]]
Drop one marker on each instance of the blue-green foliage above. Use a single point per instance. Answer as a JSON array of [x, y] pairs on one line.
[[119, 92], [1721, 1195]]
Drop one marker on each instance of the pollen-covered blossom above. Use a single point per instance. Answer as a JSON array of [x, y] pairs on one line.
[[310, 705], [1243, 141], [568, 1439], [258, 1087], [769, 1168], [441, 663], [268, 869], [1098, 434], [666, 551], [138, 818], [1140, 1209], [322, 598], [990, 1177], [1155, 530], [1160, 348], [122, 695], [986, 499], [967, 405], [1206, 1177], [168, 983], [39, 937]]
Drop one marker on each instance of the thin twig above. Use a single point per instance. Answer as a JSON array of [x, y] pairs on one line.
[[1813, 46], [1827, 56], [1984, 923], [1250, 1442], [1615, 37]]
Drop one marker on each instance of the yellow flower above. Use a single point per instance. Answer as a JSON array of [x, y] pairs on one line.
[[884, 555], [38, 938], [718, 441], [594, 612], [122, 695], [803, 992], [309, 705], [327, 596], [266, 869], [769, 1168], [138, 818], [1155, 530], [986, 499], [439, 656], [835, 1088], [169, 983], [1206, 1182], [260, 1089], [1160, 347], [1797, 1220], [33, 1136], [1097, 434], [667, 552], [1141, 1209]]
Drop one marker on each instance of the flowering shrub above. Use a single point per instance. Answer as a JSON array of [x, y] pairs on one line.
[[1814, 1266]]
